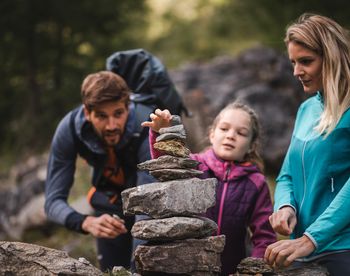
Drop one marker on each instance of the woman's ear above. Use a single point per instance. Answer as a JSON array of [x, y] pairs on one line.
[[87, 113]]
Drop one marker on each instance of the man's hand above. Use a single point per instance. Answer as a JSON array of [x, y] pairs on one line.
[[159, 119], [104, 226], [283, 221], [284, 252]]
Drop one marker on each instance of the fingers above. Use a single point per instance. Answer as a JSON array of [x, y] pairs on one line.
[[159, 119], [104, 226], [283, 221], [284, 252]]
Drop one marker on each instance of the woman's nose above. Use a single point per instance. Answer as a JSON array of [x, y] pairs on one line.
[[298, 70]]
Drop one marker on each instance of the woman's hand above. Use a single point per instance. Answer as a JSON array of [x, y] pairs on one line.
[[159, 119], [104, 226], [284, 252], [283, 221]]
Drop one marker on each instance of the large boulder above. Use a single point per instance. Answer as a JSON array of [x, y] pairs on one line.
[[262, 77]]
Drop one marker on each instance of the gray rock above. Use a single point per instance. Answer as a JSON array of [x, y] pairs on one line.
[[169, 136], [257, 266], [168, 162], [190, 256], [172, 174], [173, 129], [25, 259], [173, 198], [175, 120], [174, 228]]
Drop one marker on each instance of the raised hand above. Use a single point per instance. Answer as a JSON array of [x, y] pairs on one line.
[[159, 119]]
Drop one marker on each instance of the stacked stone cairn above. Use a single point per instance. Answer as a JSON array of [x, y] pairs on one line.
[[179, 239]]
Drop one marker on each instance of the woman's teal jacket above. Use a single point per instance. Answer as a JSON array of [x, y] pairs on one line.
[[315, 179]]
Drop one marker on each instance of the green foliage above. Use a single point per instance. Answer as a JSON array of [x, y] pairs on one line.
[[47, 48]]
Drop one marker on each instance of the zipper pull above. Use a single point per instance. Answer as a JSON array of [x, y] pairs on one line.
[[332, 184]]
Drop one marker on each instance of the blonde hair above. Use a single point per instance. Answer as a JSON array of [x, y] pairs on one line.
[[328, 39], [253, 155]]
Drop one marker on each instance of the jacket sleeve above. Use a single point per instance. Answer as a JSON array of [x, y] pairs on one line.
[[262, 232], [60, 178], [333, 220], [152, 139], [144, 154], [284, 195]]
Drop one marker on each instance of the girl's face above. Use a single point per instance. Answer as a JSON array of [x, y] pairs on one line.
[[307, 67], [232, 136]]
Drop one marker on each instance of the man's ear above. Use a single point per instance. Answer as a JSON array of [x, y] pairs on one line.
[[87, 114]]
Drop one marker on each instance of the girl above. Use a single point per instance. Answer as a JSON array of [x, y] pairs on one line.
[[242, 196]]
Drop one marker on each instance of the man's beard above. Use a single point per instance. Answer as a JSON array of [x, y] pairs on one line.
[[116, 134]]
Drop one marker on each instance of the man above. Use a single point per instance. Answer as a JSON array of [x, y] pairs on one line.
[[105, 131]]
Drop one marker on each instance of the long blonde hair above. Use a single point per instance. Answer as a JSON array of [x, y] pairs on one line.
[[328, 39], [253, 155]]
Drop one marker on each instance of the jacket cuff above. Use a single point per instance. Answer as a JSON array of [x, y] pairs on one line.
[[75, 221]]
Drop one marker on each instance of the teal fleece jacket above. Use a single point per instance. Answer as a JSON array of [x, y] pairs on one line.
[[315, 179]]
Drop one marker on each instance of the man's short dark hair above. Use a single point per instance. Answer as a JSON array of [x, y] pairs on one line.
[[102, 87]]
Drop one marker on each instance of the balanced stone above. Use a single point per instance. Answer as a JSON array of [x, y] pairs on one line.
[[175, 120], [171, 174], [172, 198], [181, 257], [170, 136], [168, 162], [172, 147], [180, 129], [174, 228]]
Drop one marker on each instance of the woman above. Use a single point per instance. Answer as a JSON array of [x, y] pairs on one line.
[[312, 198]]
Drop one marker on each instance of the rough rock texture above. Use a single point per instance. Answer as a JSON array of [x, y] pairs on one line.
[[172, 147], [261, 76], [173, 198], [28, 259], [168, 162], [258, 267], [172, 174], [181, 257], [174, 228]]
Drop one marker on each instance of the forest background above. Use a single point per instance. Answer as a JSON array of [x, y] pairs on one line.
[[47, 47]]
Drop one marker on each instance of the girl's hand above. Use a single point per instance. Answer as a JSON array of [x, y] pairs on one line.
[[159, 119]]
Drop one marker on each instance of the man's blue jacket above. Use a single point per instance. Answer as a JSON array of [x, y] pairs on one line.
[[75, 135]]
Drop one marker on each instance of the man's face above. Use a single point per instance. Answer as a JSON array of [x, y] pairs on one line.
[[108, 120]]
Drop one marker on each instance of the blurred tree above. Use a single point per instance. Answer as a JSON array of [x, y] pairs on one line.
[[46, 49], [208, 28]]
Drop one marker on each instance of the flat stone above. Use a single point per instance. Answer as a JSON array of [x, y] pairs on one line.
[[180, 129], [168, 162], [257, 266], [189, 257], [185, 197], [19, 258], [173, 147], [175, 120], [170, 136], [172, 174], [174, 228]]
